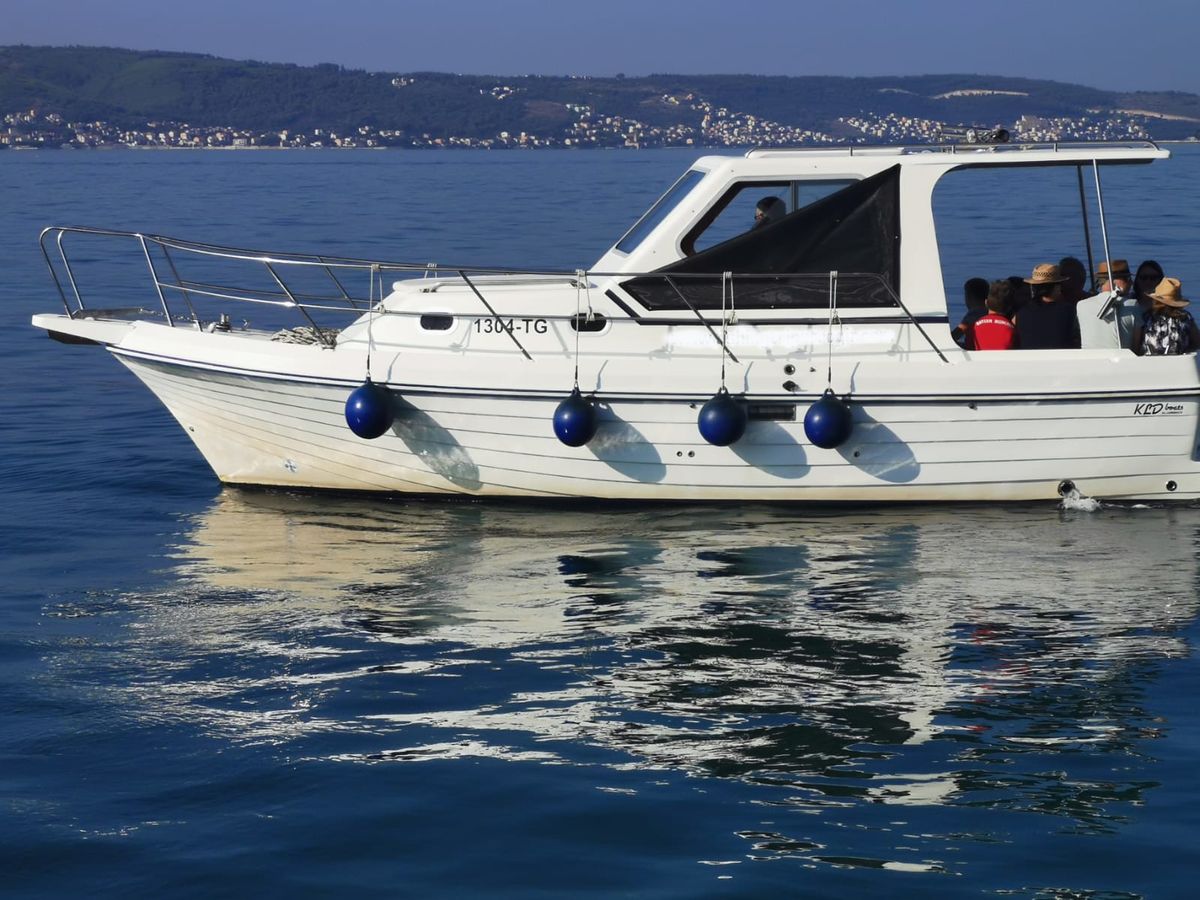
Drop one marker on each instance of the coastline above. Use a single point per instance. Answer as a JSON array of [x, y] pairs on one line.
[[519, 147]]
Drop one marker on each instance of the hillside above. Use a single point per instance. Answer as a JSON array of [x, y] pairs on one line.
[[131, 88]]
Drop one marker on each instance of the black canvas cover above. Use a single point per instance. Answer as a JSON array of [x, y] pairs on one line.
[[786, 264]]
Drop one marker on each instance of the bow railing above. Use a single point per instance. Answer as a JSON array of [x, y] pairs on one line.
[[190, 277]]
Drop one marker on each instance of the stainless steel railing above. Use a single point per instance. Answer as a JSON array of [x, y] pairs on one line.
[[289, 282]]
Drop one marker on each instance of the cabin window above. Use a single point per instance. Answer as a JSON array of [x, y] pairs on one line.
[[666, 203], [437, 322], [734, 213], [799, 291], [853, 228], [581, 323]]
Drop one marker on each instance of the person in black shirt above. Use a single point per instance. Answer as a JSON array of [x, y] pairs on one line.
[[768, 210], [1075, 286], [1020, 295], [1048, 321], [975, 294], [1148, 275]]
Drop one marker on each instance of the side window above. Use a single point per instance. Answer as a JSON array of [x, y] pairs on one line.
[[734, 213], [659, 211], [805, 193]]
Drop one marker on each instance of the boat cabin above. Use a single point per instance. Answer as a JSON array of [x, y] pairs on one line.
[[865, 213]]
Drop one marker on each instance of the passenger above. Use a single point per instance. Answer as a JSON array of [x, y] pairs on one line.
[[768, 210], [1003, 290], [1048, 321], [1019, 297], [994, 331], [975, 294], [1122, 280], [1075, 287], [1148, 275], [1167, 329], [1110, 318]]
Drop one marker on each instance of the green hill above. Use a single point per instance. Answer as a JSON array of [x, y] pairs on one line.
[[129, 87]]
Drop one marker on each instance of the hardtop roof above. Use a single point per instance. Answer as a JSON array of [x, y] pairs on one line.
[[955, 155]]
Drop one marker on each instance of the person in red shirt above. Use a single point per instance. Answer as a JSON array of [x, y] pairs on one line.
[[994, 331]]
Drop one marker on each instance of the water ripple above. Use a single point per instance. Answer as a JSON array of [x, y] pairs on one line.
[[830, 660]]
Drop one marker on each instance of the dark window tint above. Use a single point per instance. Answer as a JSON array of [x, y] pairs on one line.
[[437, 322], [800, 291], [735, 213], [786, 264], [581, 323]]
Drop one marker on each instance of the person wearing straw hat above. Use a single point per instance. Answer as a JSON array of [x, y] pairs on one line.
[[1167, 329], [1110, 318], [1048, 321], [1121, 281]]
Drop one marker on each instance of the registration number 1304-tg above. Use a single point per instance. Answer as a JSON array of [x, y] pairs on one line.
[[493, 325]]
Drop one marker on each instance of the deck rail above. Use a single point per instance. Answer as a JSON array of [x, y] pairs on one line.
[[337, 289]]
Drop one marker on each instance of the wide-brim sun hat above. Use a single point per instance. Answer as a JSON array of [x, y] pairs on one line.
[[1170, 293], [1046, 273], [1120, 268]]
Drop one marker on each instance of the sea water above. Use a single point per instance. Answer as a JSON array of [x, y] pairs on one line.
[[215, 692]]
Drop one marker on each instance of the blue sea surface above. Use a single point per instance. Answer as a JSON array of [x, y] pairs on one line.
[[218, 692]]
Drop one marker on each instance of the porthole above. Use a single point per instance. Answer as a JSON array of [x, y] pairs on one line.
[[580, 323], [437, 322]]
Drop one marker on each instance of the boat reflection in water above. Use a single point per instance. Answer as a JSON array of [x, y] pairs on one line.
[[935, 656]]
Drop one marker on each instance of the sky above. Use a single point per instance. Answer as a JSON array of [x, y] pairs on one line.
[[1148, 45]]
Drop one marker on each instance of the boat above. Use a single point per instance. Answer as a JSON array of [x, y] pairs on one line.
[[806, 359]]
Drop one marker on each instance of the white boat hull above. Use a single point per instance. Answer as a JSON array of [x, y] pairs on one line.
[[262, 430]]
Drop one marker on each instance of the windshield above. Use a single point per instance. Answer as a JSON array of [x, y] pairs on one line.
[[659, 210]]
